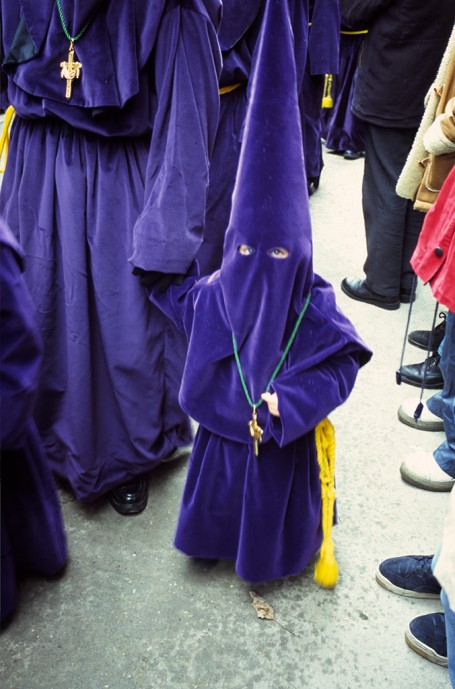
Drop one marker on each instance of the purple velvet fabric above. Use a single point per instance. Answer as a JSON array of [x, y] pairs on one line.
[[238, 36], [341, 129], [269, 211], [119, 172], [323, 58], [264, 513], [32, 533], [323, 42]]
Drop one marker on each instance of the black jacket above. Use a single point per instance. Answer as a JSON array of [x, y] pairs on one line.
[[400, 56]]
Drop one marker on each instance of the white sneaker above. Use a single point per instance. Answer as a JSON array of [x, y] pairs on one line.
[[427, 420], [422, 470]]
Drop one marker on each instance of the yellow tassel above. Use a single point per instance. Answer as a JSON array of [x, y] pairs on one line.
[[327, 100], [4, 137], [227, 89], [326, 569]]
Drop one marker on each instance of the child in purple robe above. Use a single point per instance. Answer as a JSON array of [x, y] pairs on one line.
[[269, 354]]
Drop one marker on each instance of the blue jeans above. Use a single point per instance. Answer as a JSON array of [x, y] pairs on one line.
[[442, 404], [449, 618]]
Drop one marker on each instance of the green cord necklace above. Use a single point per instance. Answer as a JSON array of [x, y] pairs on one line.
[[255, 430], [71, 69]]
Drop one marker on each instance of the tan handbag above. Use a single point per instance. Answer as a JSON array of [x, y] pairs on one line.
[[437, 167], [436, 170]]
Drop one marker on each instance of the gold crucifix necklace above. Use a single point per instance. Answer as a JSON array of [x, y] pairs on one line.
[[255, 430], [71, 68]]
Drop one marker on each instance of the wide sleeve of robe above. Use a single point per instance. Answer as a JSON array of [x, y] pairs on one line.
[[187, 65], [307, 396]]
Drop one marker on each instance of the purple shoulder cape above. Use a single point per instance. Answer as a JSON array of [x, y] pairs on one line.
[[317, 376]]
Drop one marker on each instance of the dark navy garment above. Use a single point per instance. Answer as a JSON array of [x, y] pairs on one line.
[[400, 57]]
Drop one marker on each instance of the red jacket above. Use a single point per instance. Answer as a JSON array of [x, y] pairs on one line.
[[434, 257]]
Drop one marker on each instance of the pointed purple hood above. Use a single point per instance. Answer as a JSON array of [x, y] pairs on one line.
[[264, 294]]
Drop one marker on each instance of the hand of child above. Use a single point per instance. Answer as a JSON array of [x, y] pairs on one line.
[[272, 402]]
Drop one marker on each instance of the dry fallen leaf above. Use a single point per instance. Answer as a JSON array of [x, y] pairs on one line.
[[263, 609]]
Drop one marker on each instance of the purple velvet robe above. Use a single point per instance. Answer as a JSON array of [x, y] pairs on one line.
[[323, 57], [114, 177], [264, 512], [341, 129], [32, 533]]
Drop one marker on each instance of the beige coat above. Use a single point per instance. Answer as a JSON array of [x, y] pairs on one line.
[[441, 91]]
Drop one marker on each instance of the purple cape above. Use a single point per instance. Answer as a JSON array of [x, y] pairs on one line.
[[119, 171], [32, 533]]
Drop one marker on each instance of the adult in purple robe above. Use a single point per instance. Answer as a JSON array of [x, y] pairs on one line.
[[108, 169], [341, 129], [323, 58], [262, 512], [32, 533]]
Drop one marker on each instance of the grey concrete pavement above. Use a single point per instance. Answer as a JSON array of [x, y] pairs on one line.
[[130, 612]]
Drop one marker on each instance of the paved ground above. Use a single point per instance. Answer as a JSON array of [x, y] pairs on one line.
[[130, 612]]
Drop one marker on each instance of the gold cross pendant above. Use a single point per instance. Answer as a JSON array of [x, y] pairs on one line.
[[70, 70], [255, 432]]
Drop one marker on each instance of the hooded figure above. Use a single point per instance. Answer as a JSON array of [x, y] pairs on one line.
[[263, 323]]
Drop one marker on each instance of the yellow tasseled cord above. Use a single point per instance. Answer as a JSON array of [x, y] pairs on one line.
[[4, 137], [227, 89], [327, 100], [326, 569]]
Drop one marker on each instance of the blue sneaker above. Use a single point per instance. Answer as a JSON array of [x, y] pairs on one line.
[[410, 575], [426, 635]]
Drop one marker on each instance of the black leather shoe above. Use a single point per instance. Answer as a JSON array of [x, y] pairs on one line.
[[131, 497], [413, 374], [421, 338], [313, 185], [352, 155], [405, 295], [357, 289]]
